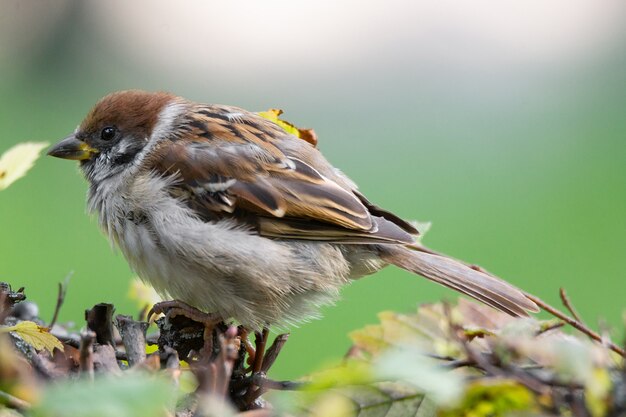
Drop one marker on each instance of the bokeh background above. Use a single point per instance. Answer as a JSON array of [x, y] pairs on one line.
[[503, 123]]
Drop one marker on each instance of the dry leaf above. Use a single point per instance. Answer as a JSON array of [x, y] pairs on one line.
[[15, 162], [37, 336], [308, 135]]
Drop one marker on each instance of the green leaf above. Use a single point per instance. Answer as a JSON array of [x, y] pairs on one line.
[[134, 395], [467, 360]]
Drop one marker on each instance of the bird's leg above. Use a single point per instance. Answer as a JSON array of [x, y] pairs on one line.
[[176, 308]]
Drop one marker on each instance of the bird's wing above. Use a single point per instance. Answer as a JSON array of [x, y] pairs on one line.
[[233, 163]]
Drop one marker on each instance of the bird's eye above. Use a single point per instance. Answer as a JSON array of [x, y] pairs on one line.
[[107, 133]]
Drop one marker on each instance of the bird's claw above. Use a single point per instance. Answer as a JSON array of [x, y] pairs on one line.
[[175, 308]]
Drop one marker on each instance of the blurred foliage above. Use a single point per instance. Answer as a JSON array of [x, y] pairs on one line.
[[136, 395], [494, 399], [15, 162], [441, 361], [468, 360]]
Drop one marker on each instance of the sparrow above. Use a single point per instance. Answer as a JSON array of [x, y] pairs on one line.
[[227, 212]]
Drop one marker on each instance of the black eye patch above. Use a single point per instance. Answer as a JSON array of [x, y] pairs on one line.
[[125, 152]]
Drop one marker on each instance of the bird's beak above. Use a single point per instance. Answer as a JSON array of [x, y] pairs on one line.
[[72, 148]]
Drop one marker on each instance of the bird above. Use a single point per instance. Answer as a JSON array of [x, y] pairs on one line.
[[229, 213]]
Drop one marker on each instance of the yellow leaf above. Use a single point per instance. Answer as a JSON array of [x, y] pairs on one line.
[[35, 335], [308, 135], [15, 162], [494, 398], [143, 293], [598, 391]]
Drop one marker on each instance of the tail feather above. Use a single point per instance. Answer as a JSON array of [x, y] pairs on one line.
[[453, 274]]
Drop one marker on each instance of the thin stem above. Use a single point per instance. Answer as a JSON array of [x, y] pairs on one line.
[[554, 326], [85, 361], [61, 297], [576, 324], [568, 304], [13, 402]]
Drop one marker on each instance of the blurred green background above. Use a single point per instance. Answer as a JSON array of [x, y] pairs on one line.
[[503, 124]]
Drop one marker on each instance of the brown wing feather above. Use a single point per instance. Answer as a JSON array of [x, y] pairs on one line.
[[289, 228], [238, 162], [377, 211]]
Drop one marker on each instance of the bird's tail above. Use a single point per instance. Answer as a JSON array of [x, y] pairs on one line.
[[460, 277]]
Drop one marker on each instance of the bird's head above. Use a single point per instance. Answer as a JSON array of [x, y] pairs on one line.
[[115, 131]]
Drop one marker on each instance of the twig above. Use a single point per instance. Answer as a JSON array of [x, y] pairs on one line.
[[254, 391], [60, 298], [567, 303], [99, 320], [486, 363], [440, 357], [40, 365], [133, 337], [214, 376], [5, 308], [8, 298], [226, 362], [85, 360], [105, 360], [260, 340], [273, 351], [459, 363], [13, 402], [265, 383], [243, 336], [576, 324], [170, 361], [551, 327]]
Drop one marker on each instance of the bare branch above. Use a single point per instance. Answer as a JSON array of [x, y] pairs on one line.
[[87, 339], [133, 337], [13, 402], [273, 351], [60, 298], [576, 324], [567, 303], [99, 320]]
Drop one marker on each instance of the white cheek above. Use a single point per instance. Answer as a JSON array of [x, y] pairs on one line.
[[122, 147]]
